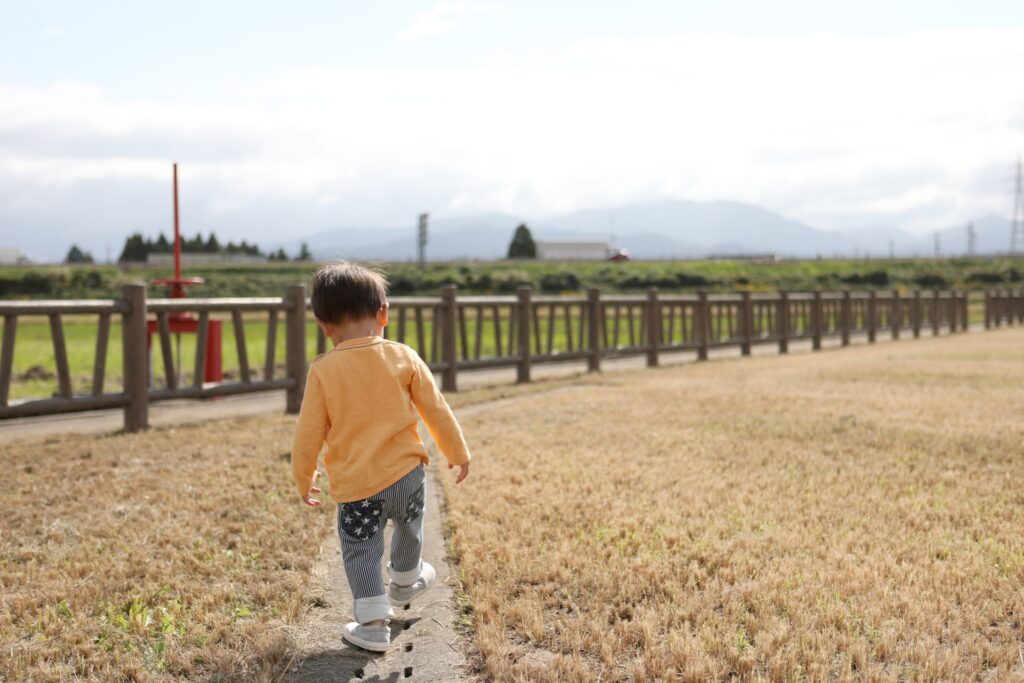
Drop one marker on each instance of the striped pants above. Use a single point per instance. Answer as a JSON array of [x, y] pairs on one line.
[[361, 529]]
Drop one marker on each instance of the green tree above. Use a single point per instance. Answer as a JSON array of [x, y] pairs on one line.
[[193, 245], [522, 245], [163, 245], [76, 255], [134, 248], [212, 246], [278, 255], [304, 253]]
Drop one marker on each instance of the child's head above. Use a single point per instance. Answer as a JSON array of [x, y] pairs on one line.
[[346, 292]]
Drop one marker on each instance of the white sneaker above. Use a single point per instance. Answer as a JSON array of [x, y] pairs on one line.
[[403, 595], [373, 637]]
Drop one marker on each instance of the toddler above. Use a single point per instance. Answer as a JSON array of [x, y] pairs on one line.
[[361, 401]]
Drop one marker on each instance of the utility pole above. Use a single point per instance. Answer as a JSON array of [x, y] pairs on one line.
[[972, 239], [892, 250], [1017, 217], [422, 241], [937, 249]]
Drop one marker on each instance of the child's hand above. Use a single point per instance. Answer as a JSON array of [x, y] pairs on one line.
[[308, 499], [463, 472]]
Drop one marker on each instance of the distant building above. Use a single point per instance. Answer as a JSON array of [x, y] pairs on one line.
[[11, 257], [571, 250], [767, 257], [202, 259]]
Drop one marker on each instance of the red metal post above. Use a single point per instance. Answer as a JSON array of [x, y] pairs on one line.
[[178, 291]]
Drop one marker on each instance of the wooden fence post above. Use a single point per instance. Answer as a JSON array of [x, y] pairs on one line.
[[918, 314], [936, 313], [594, 340], [965, 311], [951, 307], [523, 322], [782, 320], [896, 317], [872, 315], [846, 318], [7, 357], [1020, 305], [135, 356], [746, 323], [702, 324], [295, 347], [653, 310], [988, 310], [449, 354], [816, 321]]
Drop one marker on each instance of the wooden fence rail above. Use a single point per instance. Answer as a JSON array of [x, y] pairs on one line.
[[455, 334]]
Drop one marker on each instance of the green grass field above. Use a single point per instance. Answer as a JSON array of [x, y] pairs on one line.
[[34, 364], [88, 281]]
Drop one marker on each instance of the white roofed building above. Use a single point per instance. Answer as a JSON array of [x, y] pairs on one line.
[[10, 257], [572, 250]]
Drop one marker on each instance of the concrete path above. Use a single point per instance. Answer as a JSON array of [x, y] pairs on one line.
[[424, 643]]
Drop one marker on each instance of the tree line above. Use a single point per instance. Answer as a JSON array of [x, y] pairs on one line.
[[138, 247]]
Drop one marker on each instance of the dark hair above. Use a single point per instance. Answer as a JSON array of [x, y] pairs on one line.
[[345, 291]]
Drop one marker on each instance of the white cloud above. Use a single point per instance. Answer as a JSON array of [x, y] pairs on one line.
[[838, 131], [445, 17]]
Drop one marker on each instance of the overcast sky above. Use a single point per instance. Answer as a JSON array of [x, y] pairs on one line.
[[293, 118]]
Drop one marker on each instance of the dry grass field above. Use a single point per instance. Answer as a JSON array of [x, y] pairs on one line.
[[852, 514], [176, 554], [179, 553], [849, 515]]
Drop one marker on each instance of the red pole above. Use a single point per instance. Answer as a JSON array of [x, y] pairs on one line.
[[177, 234]]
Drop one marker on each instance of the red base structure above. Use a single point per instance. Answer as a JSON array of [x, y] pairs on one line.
[[214, 371]]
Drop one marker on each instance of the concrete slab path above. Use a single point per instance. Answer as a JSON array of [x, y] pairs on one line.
[[424, 643]]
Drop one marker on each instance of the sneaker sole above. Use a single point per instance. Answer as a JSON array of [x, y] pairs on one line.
[[365, 644], [403, 603]]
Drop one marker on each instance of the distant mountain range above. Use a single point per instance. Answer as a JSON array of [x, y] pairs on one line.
[[653, 230]]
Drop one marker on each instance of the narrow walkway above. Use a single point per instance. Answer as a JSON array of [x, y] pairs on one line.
[[424, 644]]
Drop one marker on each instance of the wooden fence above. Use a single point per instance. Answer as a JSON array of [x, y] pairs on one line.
[[137, 391], [456, 334]]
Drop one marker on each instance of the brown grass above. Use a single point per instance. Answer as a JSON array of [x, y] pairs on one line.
[[852, 514], [174, 554], [849, 515], [171, 554]]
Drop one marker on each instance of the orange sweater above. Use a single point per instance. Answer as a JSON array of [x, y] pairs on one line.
[[362, 399]]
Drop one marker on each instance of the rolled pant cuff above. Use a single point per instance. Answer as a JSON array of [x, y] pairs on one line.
[[406, 578], [372, 609]]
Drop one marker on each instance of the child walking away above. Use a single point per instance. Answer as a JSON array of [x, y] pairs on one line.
[[362, 400]]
